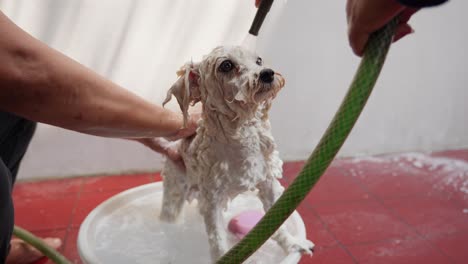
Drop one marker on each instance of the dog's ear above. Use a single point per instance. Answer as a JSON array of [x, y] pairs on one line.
[[186, 89]]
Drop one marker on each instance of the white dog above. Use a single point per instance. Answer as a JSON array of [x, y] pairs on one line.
[[233, 150]]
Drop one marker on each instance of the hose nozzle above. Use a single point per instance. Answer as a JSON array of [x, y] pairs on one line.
[[262, 11]]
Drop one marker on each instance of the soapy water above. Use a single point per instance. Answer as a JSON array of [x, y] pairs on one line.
[[126, 229], [446, 174]]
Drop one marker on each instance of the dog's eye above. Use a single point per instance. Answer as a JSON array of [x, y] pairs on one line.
[[226, 66], [259, 61]]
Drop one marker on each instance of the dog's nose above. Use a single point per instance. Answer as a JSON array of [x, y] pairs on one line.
[[267, 75]]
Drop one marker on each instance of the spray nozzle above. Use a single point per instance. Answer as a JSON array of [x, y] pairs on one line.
[[262, 11]]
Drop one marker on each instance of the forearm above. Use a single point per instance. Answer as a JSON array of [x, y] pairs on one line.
[[43, 85]]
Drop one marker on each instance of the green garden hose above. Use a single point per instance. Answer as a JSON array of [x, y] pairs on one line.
[[330, 143]]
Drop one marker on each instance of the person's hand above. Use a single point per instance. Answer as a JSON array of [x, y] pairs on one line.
[[163, 146], [168, 148], [190, 129], [22, 252], [366, 16]]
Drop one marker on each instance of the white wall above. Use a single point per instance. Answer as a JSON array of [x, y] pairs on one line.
[[419, 102]]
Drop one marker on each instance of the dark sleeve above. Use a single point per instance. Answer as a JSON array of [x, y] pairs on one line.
[[421, 3]]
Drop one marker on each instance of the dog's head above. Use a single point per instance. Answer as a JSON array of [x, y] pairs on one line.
[[230, 80]]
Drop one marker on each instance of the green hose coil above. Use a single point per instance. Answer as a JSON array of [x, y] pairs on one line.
[[329, 145]]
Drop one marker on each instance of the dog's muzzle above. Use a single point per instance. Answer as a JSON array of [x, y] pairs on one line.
[[267, 75]]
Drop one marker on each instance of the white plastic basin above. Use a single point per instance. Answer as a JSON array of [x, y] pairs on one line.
[[126, 229]]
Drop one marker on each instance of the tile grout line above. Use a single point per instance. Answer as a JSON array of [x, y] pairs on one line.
[[148, 178], [325, 225], [70, 222], [395, 214]]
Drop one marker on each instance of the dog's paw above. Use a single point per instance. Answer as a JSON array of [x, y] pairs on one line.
[[303, 246]]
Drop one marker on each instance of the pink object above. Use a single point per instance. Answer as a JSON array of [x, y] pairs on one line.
[[241, 224]]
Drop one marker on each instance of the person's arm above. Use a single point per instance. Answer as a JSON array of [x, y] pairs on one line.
[[41, 84]]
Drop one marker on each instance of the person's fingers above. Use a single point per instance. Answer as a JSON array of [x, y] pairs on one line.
[[349, 5], [164, 147], [407, 14], [173, 154], [357, 41], [154, 144], [367, 16], [257, 3], [401, 31], [53, 242], [404, 28], [191, 128]]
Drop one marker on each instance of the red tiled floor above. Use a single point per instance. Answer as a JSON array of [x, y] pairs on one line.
[[398, 252], [48, 188], [387, 178], [87, 202], [387, 209], [449, 176], [362, 222], [453, 245], [334, 186], [430, 216], [157, 177], [110, 183], [335, 255], [70, 249], [460, 154], [291, 169], [315, 228], [43, 213]]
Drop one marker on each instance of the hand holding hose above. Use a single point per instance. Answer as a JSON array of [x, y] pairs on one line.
[[367, 16]]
